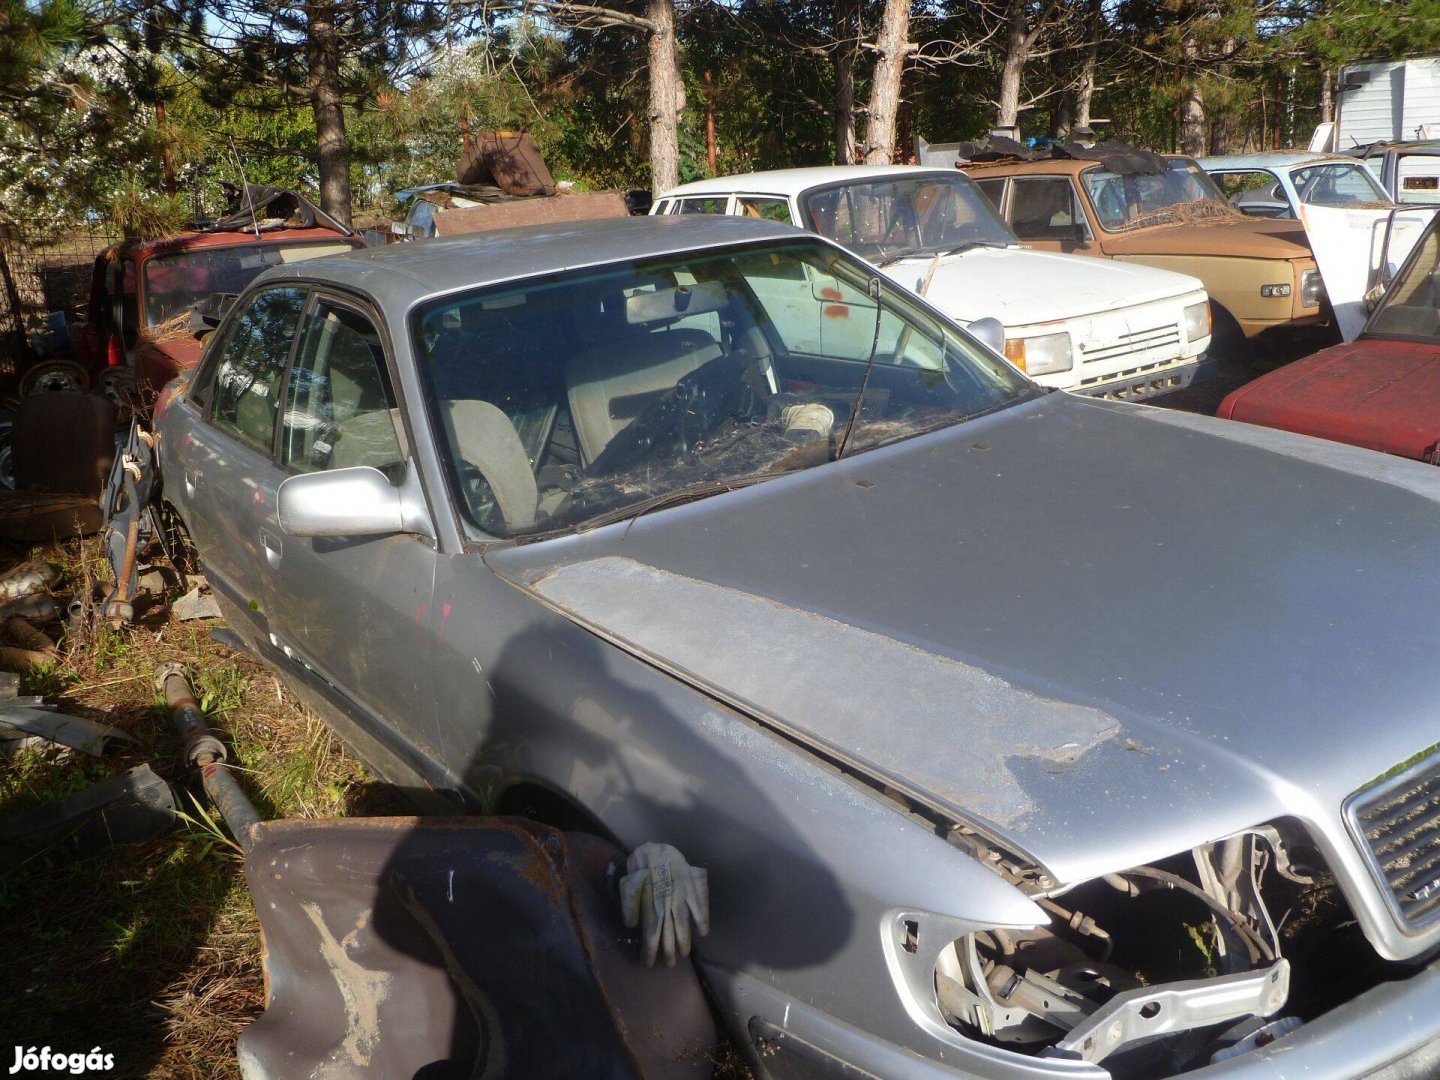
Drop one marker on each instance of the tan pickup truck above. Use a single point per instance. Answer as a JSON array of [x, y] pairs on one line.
[[1260, 273]]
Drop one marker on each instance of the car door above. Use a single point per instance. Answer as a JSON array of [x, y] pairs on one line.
[[1046, 213], [356, 610], [226, 463]]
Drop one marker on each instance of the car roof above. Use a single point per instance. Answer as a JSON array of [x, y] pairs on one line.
[[399, 275], [1040, 166], [1274, 159], [190, 241], [794, 181]]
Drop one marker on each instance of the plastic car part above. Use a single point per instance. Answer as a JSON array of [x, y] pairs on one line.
[[1130, 963], [129, 808]]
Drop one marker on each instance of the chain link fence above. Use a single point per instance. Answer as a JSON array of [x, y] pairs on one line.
[[40, 274]]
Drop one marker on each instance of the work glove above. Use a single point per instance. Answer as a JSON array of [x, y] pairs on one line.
[[663, 895]]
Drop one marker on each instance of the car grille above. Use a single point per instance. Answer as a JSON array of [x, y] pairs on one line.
[[1138, 341], [1398, 821]]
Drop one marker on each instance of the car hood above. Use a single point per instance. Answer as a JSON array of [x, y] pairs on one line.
[[1383, 395], [1237, 237], [1021, 287], [1103, 632]]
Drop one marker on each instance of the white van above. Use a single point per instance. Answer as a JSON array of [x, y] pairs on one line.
[[1095, 326]]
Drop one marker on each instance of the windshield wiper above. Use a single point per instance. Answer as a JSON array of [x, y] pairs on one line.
[[969, 244], [904, 253]]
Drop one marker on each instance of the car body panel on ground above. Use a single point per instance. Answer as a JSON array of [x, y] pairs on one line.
[[897, 702]]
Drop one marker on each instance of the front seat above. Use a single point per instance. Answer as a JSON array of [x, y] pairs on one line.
[[486, 440], [611, 383]]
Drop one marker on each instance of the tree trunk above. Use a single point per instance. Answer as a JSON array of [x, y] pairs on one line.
[[1220, 133], [1085, 86], [1017, 52], [323, 52], [1192, 105], [847, 32], [667, 97], [1327, 95], [892, 47], [711, 150]]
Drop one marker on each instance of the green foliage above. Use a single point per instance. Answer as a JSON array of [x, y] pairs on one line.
[[81, 135]]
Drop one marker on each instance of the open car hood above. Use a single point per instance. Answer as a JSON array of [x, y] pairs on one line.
[[1106, 633]]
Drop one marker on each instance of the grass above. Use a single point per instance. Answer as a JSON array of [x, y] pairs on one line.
[[153, 952]]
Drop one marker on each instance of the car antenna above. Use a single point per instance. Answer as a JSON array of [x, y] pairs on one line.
[[245, 188], [873, 289]]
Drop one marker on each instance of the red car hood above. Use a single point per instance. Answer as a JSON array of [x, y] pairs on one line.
[[157, 362], [1382, 395]]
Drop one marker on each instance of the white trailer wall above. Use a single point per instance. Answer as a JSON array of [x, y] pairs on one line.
[[1397, 100]]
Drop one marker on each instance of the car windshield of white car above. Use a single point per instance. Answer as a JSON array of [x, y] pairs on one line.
[[1338, 185], [892, 217], [1180, 194], [567, 400]]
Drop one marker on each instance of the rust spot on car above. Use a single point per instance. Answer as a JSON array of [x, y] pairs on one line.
[[835, 311]]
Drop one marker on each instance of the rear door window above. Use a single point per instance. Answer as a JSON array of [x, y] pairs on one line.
[[760, 207], [251, 365], [707, 204]]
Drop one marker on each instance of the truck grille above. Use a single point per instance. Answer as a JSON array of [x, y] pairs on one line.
[[1138, 341], [1398, 821]]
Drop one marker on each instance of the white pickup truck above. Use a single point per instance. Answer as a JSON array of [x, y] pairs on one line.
[[1111, 329]]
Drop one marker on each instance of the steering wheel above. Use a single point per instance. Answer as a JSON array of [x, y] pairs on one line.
[[674, 424]]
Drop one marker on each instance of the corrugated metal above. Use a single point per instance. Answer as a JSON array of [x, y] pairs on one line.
[[1399, 97], [1422, 96], [1371, 111]]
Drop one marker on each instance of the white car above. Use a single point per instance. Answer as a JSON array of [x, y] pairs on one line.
[[1098, 327]]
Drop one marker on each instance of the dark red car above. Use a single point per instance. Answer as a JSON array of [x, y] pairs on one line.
[[141, 292], [1380, 391]]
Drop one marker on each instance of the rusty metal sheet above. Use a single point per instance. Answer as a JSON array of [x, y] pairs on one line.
[[542, 210], [414, 946]]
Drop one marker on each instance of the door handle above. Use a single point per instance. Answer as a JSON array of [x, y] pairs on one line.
[[273, 548]]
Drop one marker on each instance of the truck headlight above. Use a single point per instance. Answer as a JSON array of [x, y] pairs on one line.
[[1197, 321], [1312, 288], [1041, 355]]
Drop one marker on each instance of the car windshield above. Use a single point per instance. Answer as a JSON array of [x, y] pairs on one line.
[[895, 216], [1411, 307], [1180, 194], [174, 282], [585, 397], [1339, 184]]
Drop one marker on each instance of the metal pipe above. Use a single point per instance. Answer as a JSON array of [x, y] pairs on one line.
[[201, 750]]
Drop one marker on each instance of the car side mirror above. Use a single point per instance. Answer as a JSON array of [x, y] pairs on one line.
[[359, 501], [990, 332]]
